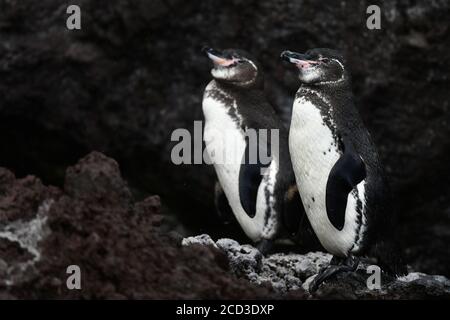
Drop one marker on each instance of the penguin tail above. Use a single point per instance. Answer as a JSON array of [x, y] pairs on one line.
[[390, 258], [387, 245]]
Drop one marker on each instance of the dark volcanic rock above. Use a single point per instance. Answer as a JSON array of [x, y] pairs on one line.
[[134, 73], [21, 198], [290, 275], [95, 224], [97, 177]]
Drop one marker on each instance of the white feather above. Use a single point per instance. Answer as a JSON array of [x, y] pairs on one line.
[[223, 73]]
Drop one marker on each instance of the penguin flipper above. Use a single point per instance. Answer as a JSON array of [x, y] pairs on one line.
[[223, 208], [346, 173], [250, 176], [249, 180]]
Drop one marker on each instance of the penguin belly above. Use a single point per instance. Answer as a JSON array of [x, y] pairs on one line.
[[225, 145], [314, 151]]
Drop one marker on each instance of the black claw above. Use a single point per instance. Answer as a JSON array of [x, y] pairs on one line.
[[313, 286], [336, 266]]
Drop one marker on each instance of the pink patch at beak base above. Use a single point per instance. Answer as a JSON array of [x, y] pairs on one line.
[[304, 64], [221, 61]]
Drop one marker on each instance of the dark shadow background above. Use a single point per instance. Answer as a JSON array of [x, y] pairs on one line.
[[134, 73]]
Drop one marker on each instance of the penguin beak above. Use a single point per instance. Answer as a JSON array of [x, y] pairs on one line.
[[302, 61], [218, 58]]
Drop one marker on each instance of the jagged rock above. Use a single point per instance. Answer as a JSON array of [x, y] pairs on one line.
[[21, 198], [294, 272], [122, 253], [97, 177], [202, 239], [24, 236], [96, 224], [244, 260]]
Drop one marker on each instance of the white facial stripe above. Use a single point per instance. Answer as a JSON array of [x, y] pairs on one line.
[[342, 74], [253, 65], [254, 77]]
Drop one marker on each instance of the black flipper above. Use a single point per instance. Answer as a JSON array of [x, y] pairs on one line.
[[250, 176], [249, 180], [346, 173], [223, 208]]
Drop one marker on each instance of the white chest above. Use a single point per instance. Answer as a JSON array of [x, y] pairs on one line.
[[314, 152], [223, 136]]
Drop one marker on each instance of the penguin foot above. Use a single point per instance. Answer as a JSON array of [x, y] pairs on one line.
[[264, 246], [337, 265]]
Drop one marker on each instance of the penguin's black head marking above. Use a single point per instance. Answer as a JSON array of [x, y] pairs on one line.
[[319, 65], [235, 67]]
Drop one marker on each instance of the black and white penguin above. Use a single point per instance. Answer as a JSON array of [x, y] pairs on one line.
[[340, 178], [259, 192]]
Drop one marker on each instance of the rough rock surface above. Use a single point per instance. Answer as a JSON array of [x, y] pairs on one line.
[[134, 73], [123, 252], [95, 223], [291, 274]]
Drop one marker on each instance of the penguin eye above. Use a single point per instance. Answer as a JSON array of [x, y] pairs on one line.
[[240, 61], [325, 60]]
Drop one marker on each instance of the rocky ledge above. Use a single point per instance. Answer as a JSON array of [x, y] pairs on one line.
[[122, 251], [290, 274]]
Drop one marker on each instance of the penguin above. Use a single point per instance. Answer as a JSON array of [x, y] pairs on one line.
[[260, 193], [339, 174]]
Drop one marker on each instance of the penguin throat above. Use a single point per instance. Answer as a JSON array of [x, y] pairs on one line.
[[318, 94]]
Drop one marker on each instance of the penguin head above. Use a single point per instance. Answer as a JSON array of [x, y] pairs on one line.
[[318, 65], [234, 67]]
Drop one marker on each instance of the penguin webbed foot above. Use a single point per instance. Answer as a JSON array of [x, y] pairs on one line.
[[264, 246], [337, 265]]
